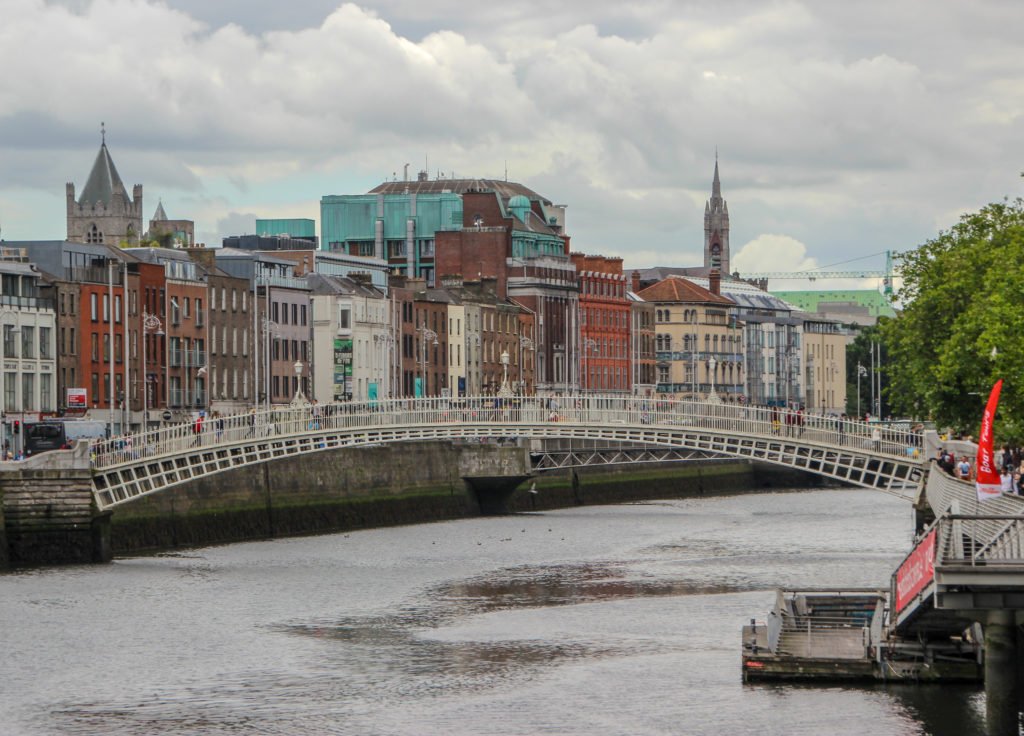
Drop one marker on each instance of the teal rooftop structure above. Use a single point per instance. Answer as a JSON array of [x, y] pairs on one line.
[[296, 227], [397, 221]]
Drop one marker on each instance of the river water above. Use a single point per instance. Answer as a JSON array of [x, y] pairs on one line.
[[595, 620]]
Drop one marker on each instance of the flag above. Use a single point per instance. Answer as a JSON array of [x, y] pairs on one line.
[[987, 483]]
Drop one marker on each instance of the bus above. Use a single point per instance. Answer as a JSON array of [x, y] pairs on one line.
[[59, 434]]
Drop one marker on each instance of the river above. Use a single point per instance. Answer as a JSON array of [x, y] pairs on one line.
[[594, 620]]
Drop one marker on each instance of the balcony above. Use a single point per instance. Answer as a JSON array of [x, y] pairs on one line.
[[27, 302], [180, 398], [288, 282], [187, 358], [93, 274]]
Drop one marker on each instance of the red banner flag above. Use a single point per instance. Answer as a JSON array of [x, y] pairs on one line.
[[988, 477]]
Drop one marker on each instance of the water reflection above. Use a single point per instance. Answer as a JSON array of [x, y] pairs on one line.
[[598, 620]]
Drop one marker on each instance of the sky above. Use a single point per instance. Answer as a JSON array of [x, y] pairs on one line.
[[842, 129]]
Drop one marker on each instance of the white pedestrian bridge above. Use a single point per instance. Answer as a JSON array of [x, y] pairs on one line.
[[865, 455]]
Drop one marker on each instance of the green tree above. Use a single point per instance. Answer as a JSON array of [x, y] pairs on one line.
[[961, 326]]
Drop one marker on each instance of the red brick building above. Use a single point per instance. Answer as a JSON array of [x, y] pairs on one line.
[[520, 244], [605, 341]]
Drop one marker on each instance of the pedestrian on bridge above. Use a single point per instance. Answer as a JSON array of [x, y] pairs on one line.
[[963, 468], [1006, 483]]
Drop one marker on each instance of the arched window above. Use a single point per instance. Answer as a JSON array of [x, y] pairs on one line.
[[93, 235]]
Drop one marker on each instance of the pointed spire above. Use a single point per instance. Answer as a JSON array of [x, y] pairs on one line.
[[716, 185], [159, 215], [103, 179]]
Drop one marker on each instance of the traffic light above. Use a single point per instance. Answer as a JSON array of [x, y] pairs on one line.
[[17, 426]]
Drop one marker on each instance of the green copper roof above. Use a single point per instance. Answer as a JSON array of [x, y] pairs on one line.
[[874, 301]]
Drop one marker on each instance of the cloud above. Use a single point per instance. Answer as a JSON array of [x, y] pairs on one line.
[[843, 128]]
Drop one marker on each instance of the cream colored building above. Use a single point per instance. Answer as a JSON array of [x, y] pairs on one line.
[[824, 346], [698, 345], [457, 348]]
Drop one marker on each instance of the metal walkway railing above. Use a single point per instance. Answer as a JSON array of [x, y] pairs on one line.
[[855, 452], [971, 558]]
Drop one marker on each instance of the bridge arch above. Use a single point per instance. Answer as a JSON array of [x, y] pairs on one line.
[[856, 453]]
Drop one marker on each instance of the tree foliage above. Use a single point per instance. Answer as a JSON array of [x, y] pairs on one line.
[[962, 295]]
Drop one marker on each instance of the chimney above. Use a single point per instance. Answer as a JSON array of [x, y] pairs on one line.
[[715, 282], [636, 281]]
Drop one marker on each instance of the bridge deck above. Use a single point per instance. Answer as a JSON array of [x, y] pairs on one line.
[[855, 452]]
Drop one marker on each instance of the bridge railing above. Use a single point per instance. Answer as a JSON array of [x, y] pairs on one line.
[[504, 415]]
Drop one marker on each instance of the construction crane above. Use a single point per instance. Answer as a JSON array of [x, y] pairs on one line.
[[886, 275]]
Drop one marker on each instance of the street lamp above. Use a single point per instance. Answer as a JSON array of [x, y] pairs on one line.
[[428, 334], [269, 326], [712, 365], [527, 343], [504, 392], [388, 342], [150, 323], [298, 399], [589, 344], [861, 372]]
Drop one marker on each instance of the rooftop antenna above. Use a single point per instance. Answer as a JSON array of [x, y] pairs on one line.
[[103, 133], [506, 169]]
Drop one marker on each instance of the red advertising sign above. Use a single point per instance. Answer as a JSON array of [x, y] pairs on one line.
[[916, 571], [77, 398]]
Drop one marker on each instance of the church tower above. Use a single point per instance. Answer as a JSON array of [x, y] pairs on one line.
[[716, 228], [104, 213]]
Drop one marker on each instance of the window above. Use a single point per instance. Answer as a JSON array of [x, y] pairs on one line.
[[92, 307], [106, 348], [187, 307], [117, 308], [234, 299], [72, 347], [46, 392], [118, 347], [295, 314], [106, 307], [10, 392], [243, 301], [28, 342], [344, 317], [302, 313], [223, 298], [276, 313]]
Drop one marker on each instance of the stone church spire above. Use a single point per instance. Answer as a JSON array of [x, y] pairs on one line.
[[716, 228], [105, 213]]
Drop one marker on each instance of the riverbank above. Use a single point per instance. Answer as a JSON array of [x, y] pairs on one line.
[[382, 486]]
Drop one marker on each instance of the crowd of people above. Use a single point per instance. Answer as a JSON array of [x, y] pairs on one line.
[[1009, 460]]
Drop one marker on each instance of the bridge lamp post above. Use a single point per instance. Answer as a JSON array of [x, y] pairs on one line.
[[388, 342], [150, 323], [298, 399], [504, 392], [428, 334], [527, 343]]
